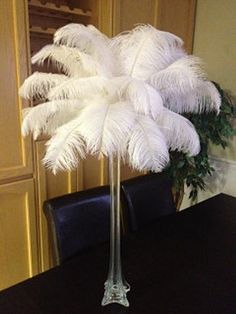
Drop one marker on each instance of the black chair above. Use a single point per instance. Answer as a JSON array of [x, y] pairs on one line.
[[147, 198], [78, 221]]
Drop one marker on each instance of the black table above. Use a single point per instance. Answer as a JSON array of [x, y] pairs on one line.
[[182, 263]]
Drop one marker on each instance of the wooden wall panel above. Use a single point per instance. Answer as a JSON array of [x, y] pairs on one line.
[[16, 154], [18, 238], [178, 17], [175, 16], [95, 172], [48, 186], [105, 16], [127, 13]]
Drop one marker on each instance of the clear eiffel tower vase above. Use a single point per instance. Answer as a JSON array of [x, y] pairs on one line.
[[116, 287]]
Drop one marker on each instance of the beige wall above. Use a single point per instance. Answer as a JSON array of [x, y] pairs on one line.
[[215, 43]]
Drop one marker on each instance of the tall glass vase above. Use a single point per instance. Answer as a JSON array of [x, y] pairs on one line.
[[115, 286]]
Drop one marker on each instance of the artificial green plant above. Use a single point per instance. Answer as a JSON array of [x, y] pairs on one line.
[[212, 129]]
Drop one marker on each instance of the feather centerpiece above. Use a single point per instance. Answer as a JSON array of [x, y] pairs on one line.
[[135, 74], [117, 97]]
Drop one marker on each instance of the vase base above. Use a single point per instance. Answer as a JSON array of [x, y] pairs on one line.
[[126, 285], [115, 294]]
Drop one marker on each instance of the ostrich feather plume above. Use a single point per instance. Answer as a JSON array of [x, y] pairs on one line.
[[181, 76], [39, 84], [145, 99], [89, 40], [116, 96], [147, 147], [179, 132], [81, 88], [71, 61], [145, 50], [64, 148], [47, 117], [86, 38], [205, 97], [106, 126]]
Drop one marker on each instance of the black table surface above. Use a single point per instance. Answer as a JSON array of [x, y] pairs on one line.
[[182, 263]]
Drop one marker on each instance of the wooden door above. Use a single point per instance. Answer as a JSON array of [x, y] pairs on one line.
[[18, 234], [16, 153]]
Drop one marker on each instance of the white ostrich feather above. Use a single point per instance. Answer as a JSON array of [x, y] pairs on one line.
[[179, 132], [75, 35], [47, 117], [145, 99], [39, 84], [205, 97], [81, 88], [97, 33], [181, 76], [106, 127], [147, 148], [145, 50], [70, 60], [65, 148], [87, 39], [120, 83]]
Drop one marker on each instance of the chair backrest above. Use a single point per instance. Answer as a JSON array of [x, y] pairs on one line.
[[78, 221], [147, 198]]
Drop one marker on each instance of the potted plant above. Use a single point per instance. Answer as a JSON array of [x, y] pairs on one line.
[[212, 129]]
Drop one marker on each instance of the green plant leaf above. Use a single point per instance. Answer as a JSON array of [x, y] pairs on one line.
[[212, 129]]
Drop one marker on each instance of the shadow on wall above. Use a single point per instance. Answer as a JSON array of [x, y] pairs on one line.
[[223, 180]]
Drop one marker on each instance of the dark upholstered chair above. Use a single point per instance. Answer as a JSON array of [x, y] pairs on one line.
[[78, 221], [147, 198]]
